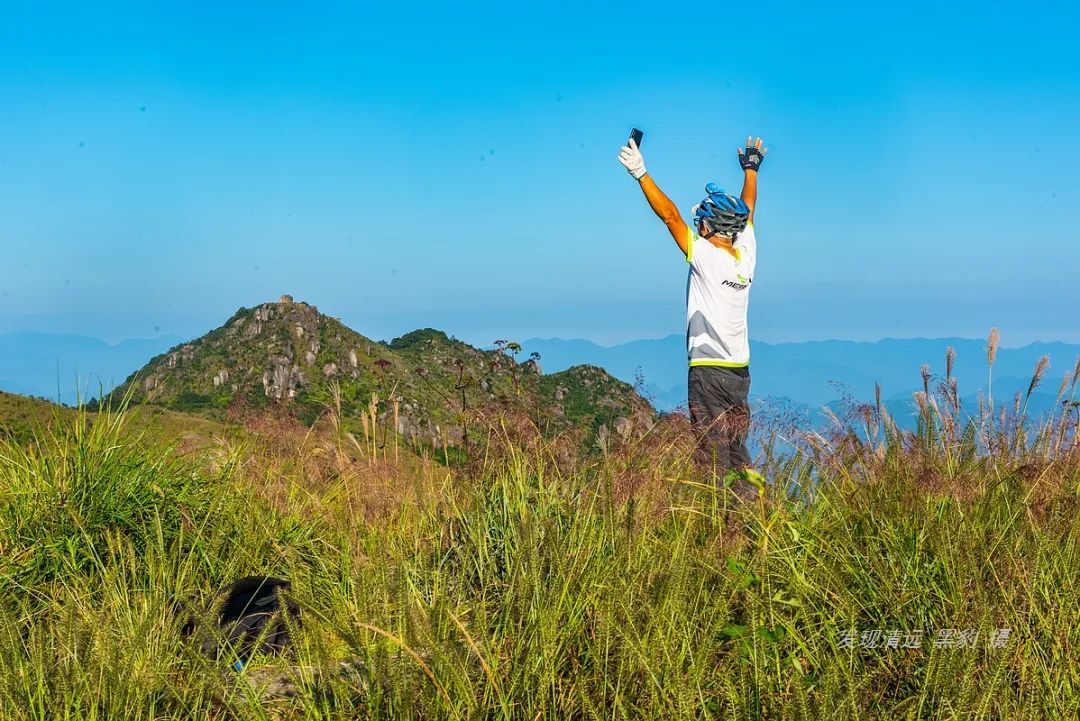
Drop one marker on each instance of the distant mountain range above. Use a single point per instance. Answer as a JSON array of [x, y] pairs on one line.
[[817, 373], [806, 374], [66, 367]]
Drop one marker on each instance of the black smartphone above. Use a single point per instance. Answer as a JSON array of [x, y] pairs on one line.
[[636, 136]]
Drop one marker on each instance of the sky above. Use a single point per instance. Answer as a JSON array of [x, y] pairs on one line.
[[455, 165]]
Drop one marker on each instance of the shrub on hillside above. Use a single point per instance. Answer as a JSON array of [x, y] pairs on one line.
[[84, 485]]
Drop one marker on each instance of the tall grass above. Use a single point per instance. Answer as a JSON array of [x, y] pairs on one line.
[[537, 586]]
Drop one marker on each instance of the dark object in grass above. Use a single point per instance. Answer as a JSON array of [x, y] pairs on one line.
[[251, 615]]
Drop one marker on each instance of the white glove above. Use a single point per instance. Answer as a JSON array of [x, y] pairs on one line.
[[630, 157]]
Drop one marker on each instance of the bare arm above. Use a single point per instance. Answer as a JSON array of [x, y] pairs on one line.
[[750, 159], [666, 211], [749, 191]]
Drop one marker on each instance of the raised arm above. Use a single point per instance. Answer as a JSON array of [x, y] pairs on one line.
[[750, 159], [665, 210]]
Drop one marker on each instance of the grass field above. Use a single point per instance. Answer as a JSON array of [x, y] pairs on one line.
[[535, 586]]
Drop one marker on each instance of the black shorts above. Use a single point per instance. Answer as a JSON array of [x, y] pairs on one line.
[[720, 414]]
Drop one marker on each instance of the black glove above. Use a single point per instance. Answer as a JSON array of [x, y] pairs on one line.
[[750, 159]]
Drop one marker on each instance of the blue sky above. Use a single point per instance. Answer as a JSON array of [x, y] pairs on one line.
[[455, 165]]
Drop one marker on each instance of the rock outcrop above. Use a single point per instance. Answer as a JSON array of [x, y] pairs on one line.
[[288, 355]]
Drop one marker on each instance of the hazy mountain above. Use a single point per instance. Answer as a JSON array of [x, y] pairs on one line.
[[819, 372], [806, 375], [64, 367]]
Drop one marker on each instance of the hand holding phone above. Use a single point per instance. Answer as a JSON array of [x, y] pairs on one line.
[[630, 156]]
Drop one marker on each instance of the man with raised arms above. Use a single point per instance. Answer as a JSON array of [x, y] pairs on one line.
[[721, 250]]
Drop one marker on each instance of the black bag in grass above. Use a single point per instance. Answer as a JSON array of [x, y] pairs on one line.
[[251, 615]]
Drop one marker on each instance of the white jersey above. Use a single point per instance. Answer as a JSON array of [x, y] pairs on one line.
[[717, 296]]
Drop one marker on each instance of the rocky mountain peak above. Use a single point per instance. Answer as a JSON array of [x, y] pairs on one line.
[[288, 354]]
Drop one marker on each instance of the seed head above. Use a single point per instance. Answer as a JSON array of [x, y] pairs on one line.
[[992, 345], [1037, 376]]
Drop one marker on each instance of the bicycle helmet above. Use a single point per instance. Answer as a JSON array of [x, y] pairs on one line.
[[722, 213]]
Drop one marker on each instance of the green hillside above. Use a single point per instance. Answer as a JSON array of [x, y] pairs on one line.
[[22, 416], [287, 357], [23, 419]]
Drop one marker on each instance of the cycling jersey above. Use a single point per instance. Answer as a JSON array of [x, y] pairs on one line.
[[717, 296]]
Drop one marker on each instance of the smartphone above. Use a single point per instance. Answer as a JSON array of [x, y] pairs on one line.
[[636, 136]]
